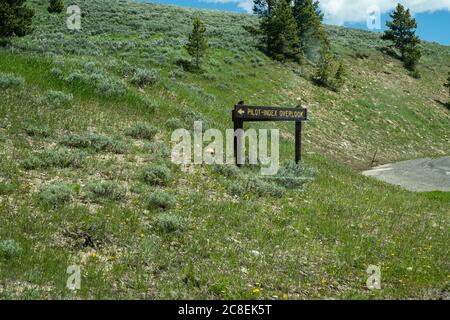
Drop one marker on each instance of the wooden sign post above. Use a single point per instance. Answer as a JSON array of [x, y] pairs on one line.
[[243, 113]]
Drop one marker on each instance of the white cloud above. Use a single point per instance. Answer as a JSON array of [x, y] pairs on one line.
[[340, 11]]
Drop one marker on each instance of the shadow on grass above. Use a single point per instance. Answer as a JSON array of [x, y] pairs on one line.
[[445, 105], [390, 52], [188, 66]]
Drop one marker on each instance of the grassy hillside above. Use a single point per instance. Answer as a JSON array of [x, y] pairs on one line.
[[82, 138]]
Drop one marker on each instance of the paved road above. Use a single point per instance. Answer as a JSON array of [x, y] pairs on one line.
[[421, 175]]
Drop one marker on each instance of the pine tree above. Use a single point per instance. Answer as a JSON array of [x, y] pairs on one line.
[[318, 10], [277, 29], [412, 57], [340, 76], [15, 19], [197, 44], [309, 23], [56, 6], [324, 67], [402, 32], [263, 8], [281, 32]]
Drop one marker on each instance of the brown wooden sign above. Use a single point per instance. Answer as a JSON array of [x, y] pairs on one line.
[[243, 113], [255, 113]]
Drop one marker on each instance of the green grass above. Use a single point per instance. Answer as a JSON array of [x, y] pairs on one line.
[[79, 116], [439, 196]]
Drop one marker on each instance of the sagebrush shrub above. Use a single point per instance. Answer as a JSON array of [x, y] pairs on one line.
[[160, 59], [177, 74], [202, 93], [229, 34], [174, 123], [35, 131], [94, 142], [9, 80], [110, 190], [9, 249], [61, 158], [57, 73], [145, 77], [264, 188], [103, 83], [293, 175], [222, 87], [226, 170], [108, 86], [126, 69], [76, 77], [90, 67], [55, 194], [209, 77], [141, 130], [170, 223], [159, 150], [236, 189], [161, 200], [256, 186], [93, 233], [156, 175], [55, 98], [150, 104], [190, 116]]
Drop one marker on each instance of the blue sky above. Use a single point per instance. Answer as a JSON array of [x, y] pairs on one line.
[[431, 26], [433, 16]]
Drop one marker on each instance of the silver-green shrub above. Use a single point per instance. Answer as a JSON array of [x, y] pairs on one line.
[[9, 80], [105, 190], [170, 223], [9, 249], [55, 194], [161, 200], [156, 175]]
